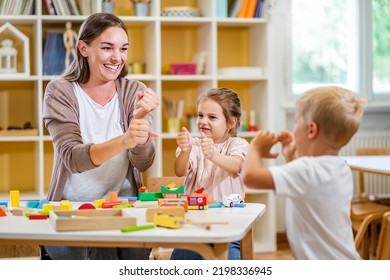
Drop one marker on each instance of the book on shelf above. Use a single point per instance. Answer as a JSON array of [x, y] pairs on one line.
[[54, 54], [250, 13], [222, 8], [50, 7], [259, 8], [235, 8], [243, 9]]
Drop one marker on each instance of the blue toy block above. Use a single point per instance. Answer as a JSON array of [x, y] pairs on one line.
[[241, 205], [32, 204], [218, 204], [4, 203], [42, 202]]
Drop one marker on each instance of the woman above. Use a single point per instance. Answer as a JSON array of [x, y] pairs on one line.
[[100, 124]]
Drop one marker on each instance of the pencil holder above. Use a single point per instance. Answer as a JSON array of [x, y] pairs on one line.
[[173, 125]]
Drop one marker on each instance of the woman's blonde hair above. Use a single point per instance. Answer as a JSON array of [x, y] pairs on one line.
[[336, 111]]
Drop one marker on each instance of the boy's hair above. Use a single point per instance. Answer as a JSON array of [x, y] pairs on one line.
[[90, 29], [230, 103], [336, 111]]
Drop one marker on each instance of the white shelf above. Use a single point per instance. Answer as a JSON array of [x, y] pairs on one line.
[[155, 41]]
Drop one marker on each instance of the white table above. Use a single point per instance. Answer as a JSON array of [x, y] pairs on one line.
[[20, 230], [372, 164]]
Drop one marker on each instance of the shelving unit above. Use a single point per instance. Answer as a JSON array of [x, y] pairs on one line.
[[26, 161]]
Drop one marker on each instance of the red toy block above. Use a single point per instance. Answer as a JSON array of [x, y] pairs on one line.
[[110, 204], [37, 217], [86, 206], [2, 213]]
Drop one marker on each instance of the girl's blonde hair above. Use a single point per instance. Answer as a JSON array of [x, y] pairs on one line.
[[336, 111]]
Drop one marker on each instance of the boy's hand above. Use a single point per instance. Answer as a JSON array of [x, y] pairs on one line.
[[145, 103], [183, 140], [286, 138], [263, 143], [207, 145]]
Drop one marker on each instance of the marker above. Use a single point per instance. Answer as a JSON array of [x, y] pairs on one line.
[[137, 228]]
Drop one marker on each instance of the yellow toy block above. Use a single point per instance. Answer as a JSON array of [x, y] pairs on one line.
[[99, 202], [65, 205], [14, 196], [48, 207]]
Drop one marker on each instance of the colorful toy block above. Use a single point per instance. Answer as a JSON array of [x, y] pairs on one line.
[[174, 211], [149, 196], [14, 197], [99, 202], [113, 197], [48, 207], [86, 206], [21, 211], [168, 221], [32, 204], [2, 213]]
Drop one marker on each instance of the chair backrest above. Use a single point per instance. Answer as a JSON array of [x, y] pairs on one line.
[[369, 152], [153, 184], [383, 249], [372, 151]]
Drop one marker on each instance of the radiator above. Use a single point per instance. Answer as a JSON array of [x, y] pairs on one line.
[[374, 184]]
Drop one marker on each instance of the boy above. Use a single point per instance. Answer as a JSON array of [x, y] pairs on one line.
[[316, 182]]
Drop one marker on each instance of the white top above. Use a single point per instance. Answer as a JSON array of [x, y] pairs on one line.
[[98, 124], [318, 193]]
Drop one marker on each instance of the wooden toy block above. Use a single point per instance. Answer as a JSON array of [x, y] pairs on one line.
[[99, 219], [37, 217], [43, 202], [2, 213], [5, 209], [65, 205], [145, 204], [149, 196], [43, 212], [113, 197], [4, 203], [99, 202], [32, 204], [168, 221], [48, 207], [14, 197], [110, 204], [21, 211], [126, 205], [173, 202], [86, 206], [176, 211]]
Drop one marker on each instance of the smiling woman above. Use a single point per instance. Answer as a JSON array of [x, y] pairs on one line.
[[100, 123]]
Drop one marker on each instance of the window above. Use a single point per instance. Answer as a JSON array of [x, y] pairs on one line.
[[341, 42]]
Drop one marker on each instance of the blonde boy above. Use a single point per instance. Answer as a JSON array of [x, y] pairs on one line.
[[316, 182]]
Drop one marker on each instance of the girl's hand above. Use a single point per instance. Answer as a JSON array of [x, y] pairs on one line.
[[145, 103], [263, 143], [286, 138], [183, 140], [207, 146]]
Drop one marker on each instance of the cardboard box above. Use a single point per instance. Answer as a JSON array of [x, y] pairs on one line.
[[96, 219]]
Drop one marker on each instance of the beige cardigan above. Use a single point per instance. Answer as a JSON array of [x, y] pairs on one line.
[[71, 155]]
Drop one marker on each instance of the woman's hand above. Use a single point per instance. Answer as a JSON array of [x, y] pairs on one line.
[[145, 103], [138, 133]]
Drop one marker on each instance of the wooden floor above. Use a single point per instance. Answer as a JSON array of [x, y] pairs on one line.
[[283, 252]]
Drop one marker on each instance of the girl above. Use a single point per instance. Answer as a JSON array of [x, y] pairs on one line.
[[214, 161]]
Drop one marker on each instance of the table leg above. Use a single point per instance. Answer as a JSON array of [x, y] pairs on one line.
[[247, 246]]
